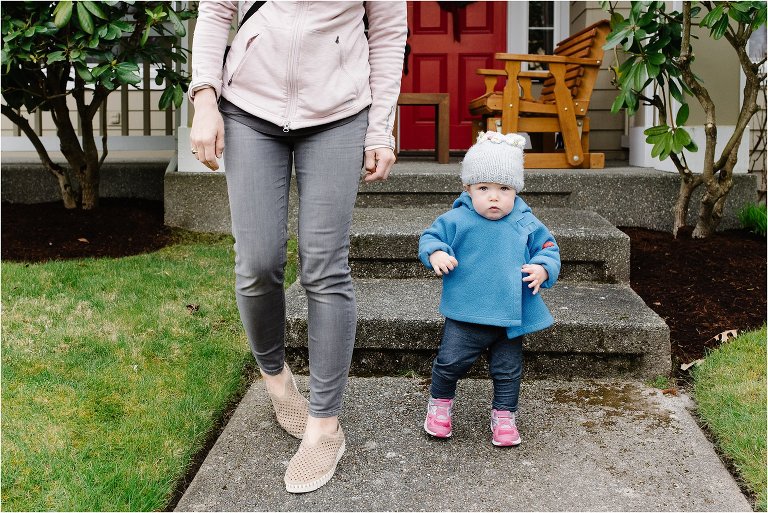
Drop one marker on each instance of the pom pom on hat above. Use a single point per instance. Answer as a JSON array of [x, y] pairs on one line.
[[495, 158]]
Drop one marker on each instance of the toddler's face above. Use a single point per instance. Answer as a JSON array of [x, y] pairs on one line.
[[491, 200]]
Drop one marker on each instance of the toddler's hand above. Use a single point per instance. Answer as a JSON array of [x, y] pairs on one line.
[[442, 262], [536, 276]]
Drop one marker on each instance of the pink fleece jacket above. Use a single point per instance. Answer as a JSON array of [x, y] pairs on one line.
[[300, 64]]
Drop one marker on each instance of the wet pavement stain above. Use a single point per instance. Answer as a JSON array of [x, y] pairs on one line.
[[614, 401]]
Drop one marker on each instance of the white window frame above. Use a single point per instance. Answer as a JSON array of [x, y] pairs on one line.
[[517, 25]]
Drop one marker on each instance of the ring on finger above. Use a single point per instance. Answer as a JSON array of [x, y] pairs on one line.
[[194, 151]]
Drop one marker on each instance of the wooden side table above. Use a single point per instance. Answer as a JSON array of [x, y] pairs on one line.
[[441, 102]]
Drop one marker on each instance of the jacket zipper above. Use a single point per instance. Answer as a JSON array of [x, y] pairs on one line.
[[293, 92], [249, 48]]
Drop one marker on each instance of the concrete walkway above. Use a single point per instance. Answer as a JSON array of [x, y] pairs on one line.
[[587, 445]]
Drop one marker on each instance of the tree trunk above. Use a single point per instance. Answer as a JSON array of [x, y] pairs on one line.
[[688, 184], [89, 177], [711, 209], [68, 194], [713, 201], [90, 187]]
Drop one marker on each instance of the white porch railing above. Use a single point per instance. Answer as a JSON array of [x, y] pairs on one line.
[[130, 117]]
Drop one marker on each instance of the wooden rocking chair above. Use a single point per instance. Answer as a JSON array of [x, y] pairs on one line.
[[562, 105]]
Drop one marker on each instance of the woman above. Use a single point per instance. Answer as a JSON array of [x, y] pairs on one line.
[[302, 87]]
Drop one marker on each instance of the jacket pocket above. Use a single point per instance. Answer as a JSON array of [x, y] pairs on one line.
[[250, 47], [324, 84], [260, 76]]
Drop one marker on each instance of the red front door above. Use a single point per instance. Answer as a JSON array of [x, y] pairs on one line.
[[440, 64]]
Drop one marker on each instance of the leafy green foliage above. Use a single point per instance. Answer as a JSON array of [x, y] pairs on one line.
[[102, 42], [651, 39], [753, 218]]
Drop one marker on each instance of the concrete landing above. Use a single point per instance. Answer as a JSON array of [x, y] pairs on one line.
[[587, 446], [624, 195]]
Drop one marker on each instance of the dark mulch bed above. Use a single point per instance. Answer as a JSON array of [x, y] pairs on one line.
[[700, 287], [48, 231]]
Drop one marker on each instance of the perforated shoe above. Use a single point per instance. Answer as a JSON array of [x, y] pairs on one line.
[[313, 466], [291, 408], [504, 429], [438, 421]]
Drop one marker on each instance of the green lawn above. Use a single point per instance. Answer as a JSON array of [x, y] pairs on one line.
[[730, 390], [110, 381]]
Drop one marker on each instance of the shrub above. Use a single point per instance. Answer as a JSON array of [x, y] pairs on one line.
[[753, 218]]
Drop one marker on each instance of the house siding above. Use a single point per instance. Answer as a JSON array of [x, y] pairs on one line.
[[606, 129]]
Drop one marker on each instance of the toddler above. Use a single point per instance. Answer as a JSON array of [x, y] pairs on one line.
[[493, 255]]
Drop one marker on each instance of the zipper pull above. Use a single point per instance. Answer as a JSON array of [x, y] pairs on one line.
[[287, 127]]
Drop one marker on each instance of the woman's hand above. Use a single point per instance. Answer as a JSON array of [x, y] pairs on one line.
[[442, 263], [536, 276], [207, 135], [378, 164]]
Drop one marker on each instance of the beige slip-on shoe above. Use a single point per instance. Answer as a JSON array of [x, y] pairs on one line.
[[312, 467], [291, 408]]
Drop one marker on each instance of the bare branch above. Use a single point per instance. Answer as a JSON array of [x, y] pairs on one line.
[[66, 132], [682, 169], [36, 93], [100, 94], [104, 150], [748, 106], [25, 127], [89, 145], [699, 91]]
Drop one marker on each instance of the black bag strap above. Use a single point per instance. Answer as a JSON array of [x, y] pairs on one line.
[[251, 11]]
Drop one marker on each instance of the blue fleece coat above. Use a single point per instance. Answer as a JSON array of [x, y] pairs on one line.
[[487, 286]]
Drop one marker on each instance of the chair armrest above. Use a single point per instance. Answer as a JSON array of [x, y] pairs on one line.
[[558, 59], [492, 72], [534, 74]]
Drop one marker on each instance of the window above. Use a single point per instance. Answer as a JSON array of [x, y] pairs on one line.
[[535, 27], [541, 30]]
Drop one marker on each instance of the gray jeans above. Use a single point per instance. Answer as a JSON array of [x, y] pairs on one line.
[[328, 164]]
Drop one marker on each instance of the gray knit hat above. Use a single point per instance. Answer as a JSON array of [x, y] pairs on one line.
[[495, 158]]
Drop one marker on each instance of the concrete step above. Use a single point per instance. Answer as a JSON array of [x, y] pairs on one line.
[[587, 446], [600, 330], [421, 183], [614, 192], [385, 241]]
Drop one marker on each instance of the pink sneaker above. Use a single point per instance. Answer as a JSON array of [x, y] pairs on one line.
[[438, 421], [504, 429]]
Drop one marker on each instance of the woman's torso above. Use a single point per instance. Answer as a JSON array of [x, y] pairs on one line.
[[297, 64]]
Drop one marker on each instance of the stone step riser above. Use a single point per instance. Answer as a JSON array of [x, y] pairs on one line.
[[384, 244], [540, 362], [553, 199], [538, 365], [596, 272], [600, 330]]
